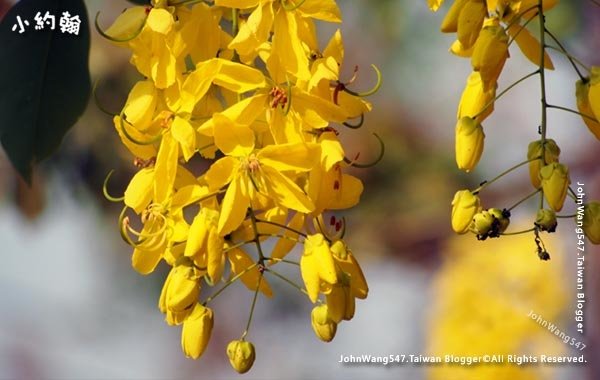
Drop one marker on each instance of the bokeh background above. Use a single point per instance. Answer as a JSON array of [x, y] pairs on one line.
[[71, 306]]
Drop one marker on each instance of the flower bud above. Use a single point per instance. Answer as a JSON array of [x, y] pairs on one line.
[[464, 206], [490, 54], [503, 220], [482, 224], [555, 183], [241, 355], [182, 289], [322, 324], [474, 100], [546, 220], [584, 106], [469, 143], [551, 152], [196, 331], [591, 221]]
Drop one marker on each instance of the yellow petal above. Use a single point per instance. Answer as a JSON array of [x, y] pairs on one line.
[[239, 78], [285, 192], [326, 10], [234, 206], [254, 32], [160, 21], [470, 21], [310, 276], [221, 172], [128, 23], [332, 151], [287, 50], [185, 135], [450, 22], [529, 45], [140, 105], [142, 151], [197, 84], [165, 168], [284, 246], [242, 4], [295, 157], [145, 261], [140, 189], [231, 139]]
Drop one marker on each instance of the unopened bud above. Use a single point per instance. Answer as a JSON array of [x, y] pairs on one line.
[[196, 331], [464, 206], [469, 143], [546, 220], [555, 183], [550, 150], [241, 355], [322, 324]]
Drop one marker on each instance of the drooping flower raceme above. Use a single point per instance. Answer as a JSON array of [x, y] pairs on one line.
[[246, 87]]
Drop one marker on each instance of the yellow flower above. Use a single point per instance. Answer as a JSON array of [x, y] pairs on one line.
[[550, 150], [317, 265], [555, 183], [270, 15], [249, 172], [205, 245], [475, 101], [591, 221], [490, 54], [464, 207], [351, 284], [241, 355], [196, 331], [322, 324], [469, 143], [588, 100], [470, 21]]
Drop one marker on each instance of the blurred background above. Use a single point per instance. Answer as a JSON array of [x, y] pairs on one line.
[[72, 307]]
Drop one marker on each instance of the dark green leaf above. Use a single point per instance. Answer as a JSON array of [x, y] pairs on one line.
[[44, 80]]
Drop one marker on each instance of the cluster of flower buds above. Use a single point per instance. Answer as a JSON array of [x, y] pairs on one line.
[[244, 88], [484, 31]]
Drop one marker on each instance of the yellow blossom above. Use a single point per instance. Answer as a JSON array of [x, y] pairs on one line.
[[196, 331], [317, 265], [555, 184]]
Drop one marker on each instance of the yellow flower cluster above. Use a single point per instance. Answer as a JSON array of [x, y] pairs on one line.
[[489, 305], [484, 32], [244, 87]]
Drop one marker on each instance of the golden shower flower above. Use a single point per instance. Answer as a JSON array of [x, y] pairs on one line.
[[490, 54], [555, 184], [317, 265], [322, 324], [475, 102], [591, 221], [536, 149], [196, 331], [469, 143], [588, 100], [464, 207], [241, 355]]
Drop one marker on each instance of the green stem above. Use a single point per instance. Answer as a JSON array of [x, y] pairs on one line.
[[518, 232], [487, 183], [282, 260], [572, 111], [524, 199], [280, 237], [282, 226], [566, 216], [292, 283], [252, 308], [234, 279], [491, 102], [564, 51], [261, 256]]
